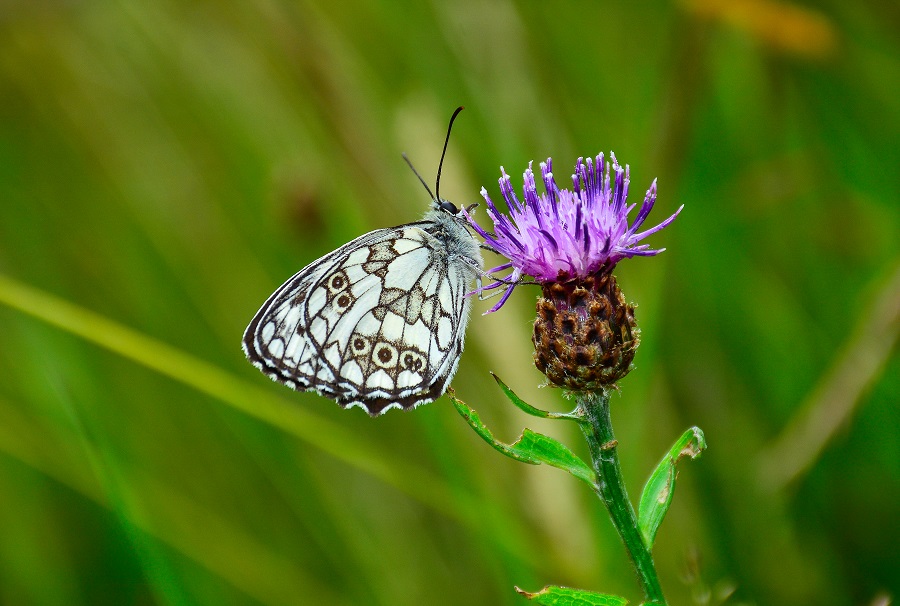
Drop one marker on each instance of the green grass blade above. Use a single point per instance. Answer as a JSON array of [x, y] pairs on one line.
[[254, 401], [152, 510], [554, 595]]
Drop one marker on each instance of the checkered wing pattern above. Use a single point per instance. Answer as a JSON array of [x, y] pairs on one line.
[[379, 323]]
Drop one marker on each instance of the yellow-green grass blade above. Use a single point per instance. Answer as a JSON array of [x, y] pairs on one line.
[[257, 402]]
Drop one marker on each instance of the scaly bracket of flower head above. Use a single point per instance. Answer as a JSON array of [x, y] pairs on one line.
[[585, 335]]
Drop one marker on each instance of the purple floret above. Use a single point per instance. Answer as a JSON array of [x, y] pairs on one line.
[[561, 235]]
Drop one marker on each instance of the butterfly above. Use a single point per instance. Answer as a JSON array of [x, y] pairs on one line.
[[380, 322]]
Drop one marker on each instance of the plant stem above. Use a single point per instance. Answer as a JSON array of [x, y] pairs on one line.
[[611, 489]]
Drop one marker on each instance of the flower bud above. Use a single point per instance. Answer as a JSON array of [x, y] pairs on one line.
[[585, 334]]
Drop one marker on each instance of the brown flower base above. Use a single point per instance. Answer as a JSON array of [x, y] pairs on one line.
[[585, 334]]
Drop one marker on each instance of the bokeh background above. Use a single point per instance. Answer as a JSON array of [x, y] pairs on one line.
[[165, 165]]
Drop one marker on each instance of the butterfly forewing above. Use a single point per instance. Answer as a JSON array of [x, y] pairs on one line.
[[378, 323]]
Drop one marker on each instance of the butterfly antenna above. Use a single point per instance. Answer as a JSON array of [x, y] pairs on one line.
[[416, 173], [437, 181]]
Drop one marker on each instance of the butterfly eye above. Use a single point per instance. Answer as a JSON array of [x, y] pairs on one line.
[[448, 206]]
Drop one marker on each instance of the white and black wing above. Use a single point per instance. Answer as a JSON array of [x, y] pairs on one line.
[[378, 323]]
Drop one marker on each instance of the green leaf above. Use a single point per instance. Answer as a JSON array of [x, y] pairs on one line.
[[475, 421], [657, 495], [554, 595], [554, 453], [536, 412], [531, 447]]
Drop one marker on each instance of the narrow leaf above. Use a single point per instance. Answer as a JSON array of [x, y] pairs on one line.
[[554, 595], [552, 452], [515, 399], [531, 447], [475, 421], [529, 409], [657, 495]]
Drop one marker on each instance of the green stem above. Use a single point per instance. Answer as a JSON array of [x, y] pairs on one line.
[[611, 489]]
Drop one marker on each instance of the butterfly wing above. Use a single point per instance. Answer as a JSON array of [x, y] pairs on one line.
[[378, 323]]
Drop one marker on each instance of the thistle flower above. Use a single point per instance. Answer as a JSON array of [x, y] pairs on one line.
[[562, 235], [569, 241]]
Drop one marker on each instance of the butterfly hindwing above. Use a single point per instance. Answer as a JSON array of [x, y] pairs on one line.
[[378, 323]]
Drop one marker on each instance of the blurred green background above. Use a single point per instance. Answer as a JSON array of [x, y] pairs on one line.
[[165, 165]]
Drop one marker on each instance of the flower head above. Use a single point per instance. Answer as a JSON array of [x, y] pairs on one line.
[[562, 234]]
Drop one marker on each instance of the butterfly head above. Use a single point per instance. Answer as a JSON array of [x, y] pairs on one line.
[[447, 206], [452, 209]]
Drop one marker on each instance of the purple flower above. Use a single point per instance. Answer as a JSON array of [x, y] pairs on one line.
[[563, 235]]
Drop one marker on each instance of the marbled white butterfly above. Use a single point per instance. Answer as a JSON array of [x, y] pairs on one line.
[[378, 323]]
